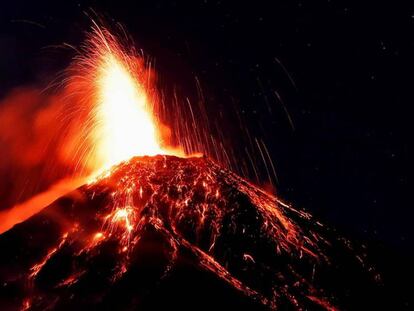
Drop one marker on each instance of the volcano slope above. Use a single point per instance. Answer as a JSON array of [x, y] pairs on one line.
[[166, 232]]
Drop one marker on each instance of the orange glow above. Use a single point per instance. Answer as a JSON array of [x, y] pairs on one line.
[[30, 207]]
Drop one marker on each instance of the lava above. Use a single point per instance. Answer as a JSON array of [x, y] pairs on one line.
[[122, 113], [189, 210], [118, 96], [90, 245]]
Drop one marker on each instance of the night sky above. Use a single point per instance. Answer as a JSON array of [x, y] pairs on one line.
[[342, 72]]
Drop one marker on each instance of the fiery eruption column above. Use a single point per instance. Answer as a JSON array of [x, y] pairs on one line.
[[120, 123], [124, 125]]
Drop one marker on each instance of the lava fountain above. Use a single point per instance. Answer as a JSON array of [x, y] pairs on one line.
[[124, 125], [120, 123]]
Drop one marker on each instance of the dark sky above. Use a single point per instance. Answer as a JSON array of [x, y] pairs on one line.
[[343, 71]]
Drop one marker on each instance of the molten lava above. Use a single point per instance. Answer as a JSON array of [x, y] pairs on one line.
[[120, 122], [109, 243], [106, 244], [123, 117]]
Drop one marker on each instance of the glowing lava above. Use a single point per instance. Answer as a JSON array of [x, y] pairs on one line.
[[116, 102], [124, 125], [133, 228], [192, 209]]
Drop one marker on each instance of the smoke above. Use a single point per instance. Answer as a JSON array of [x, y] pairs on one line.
[[28, 122], [40, 142]]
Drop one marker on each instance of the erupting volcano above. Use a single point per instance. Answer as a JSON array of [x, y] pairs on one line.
[[154, 226]]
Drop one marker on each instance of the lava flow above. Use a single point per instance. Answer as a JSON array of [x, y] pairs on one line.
[[162, 231], [153, 222]]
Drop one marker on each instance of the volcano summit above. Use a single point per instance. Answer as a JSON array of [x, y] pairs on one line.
[[162, 231]]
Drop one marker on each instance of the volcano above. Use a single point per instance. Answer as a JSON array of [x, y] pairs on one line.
[[167, 232]]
